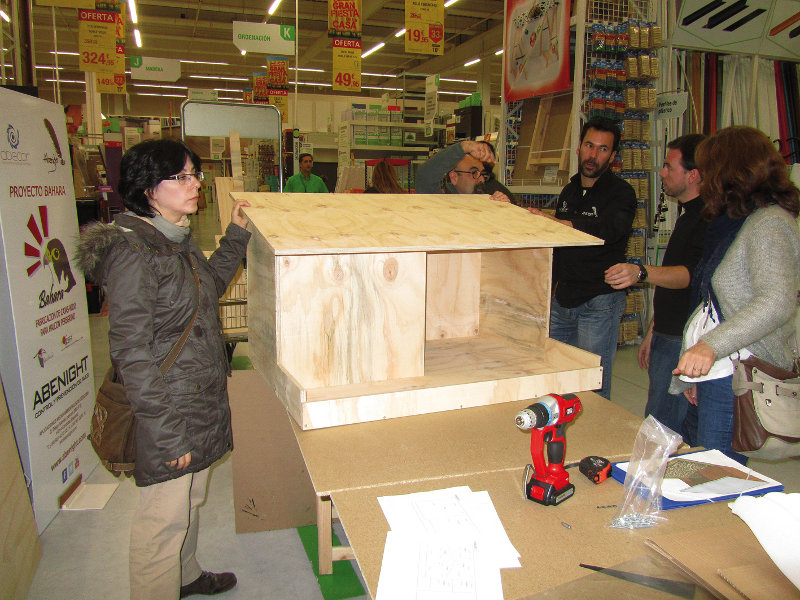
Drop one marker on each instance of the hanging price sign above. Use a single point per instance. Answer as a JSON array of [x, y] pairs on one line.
[[344, 18], [101, 38], [110, 84], [346, 65], [425, 26]]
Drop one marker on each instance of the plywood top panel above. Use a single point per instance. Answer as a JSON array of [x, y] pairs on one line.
[[358, 223]]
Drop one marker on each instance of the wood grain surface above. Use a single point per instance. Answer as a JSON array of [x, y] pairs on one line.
[[357, 223]]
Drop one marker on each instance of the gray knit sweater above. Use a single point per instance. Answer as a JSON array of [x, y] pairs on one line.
[[756, 285]]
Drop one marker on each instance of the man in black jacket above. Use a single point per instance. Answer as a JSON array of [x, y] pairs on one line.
[[585, 311], [661, 346]]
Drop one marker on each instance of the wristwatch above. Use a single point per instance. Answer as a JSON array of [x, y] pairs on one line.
[[642, 273]]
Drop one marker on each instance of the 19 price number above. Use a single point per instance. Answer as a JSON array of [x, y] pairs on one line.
[[416, 35], [347, 80]]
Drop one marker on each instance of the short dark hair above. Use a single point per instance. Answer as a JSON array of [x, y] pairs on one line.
[[147, 164], [602, 124], [303, 155], [686, 145], [491, 146]]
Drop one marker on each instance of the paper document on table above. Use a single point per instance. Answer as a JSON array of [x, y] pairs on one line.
[[445, 544]]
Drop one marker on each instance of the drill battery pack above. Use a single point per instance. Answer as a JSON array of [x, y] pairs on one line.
[[595, 468]]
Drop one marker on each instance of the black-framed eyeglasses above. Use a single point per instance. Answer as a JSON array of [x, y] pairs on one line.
[[475, 172], [185, 178]]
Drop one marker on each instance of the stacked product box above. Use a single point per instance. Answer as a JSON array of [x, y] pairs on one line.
[[358, 133], [395, 133], [377, 135]]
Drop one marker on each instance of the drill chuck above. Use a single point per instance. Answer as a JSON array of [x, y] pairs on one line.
[[539, 414]]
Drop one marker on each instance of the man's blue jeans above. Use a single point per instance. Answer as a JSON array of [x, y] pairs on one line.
[[669, 409], [710, 423], [593, 326]]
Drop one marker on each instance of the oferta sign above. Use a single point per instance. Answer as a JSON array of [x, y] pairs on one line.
[[264, 38], [155, 69]]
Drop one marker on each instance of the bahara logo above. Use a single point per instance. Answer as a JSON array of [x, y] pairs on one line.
[[53, 158], [13, 155], [48, 253], [42, 356]]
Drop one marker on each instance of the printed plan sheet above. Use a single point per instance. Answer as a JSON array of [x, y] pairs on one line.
[[444, 545]]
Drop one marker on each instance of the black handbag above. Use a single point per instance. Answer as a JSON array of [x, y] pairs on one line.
[[112, 432]]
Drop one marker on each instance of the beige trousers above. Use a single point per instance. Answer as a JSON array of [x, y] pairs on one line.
[[164, 537]]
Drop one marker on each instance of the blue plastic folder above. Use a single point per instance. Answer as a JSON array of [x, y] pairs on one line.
[[713, 456]]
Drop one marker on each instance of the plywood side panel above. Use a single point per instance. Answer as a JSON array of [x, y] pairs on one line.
[[261, 290], [20, 549], [515, 294], [295, 224], [452, 300], [351, 318]]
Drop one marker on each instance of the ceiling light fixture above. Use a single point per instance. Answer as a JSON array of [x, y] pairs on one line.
[[137, 37], [164, 95], [472, 62], [400, 32], [4, 16], [66, 81], [132, 10], [458, 80], [314, 83], [499, 52], [51, 67], [227, 90], [66, 53], [304, 69], [450, 3], [219, 77], [244, 51], [158, 85], [204, 62], [456, 93], [274, 7], [379, 74], [373, 49]]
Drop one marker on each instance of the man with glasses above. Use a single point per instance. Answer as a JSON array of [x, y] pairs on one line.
[[585, 311], [458, 169]]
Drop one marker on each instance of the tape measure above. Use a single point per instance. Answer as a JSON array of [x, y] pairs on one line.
[[595, 468]]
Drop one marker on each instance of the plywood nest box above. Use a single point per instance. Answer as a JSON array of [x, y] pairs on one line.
[[373, 306]]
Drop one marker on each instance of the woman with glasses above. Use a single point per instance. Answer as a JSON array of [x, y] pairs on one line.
[[156, 282]]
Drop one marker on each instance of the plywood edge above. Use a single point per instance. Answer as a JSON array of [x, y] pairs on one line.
[[318, 413], [286, 388]]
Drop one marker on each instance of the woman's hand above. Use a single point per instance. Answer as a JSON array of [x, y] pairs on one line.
[[237, 216], [696, 361], [691, 395], [181, 463]]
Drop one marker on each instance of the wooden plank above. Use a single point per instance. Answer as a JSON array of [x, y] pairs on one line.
[[459, 373], [296, 224], [452, 302], [539, 127], [515, 295], [224, 186], [550, 141], [20, 549], [351, 318]]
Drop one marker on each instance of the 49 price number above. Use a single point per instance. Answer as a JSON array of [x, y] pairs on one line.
[[347, 80]]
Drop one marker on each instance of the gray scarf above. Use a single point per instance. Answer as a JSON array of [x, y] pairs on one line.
[[174, 232]]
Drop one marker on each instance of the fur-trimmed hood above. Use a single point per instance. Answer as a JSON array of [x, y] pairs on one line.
[[94, 244]]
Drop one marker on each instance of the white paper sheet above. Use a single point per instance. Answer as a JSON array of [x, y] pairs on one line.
[[444, 545]]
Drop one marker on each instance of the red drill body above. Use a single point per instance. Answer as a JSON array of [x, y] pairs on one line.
[[547, 418]]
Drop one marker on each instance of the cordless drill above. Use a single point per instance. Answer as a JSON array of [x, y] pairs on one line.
[[546, 419]]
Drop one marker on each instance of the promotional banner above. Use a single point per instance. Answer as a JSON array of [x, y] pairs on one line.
[[344, 18], [425, 26], [280, 100], [260, 88], [769, 28], [45, 357], [263, 37], [155, 69], [431, 98], [101, 41], [346, 65], [110, 84], [66, 3], [536, 59]]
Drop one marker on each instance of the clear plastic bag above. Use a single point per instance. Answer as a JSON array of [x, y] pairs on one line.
[[641, 500]]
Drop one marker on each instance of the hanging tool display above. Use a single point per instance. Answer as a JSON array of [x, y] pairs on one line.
[[548, 482]]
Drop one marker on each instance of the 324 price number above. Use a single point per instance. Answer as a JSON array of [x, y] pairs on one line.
[[347, 80], [98, 58]]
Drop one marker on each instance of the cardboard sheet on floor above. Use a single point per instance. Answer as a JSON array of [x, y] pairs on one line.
[[90, 496], [20, 549], [271, 486], [728, 561]]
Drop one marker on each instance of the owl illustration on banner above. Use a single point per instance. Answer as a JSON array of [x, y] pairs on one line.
[[56, 255]]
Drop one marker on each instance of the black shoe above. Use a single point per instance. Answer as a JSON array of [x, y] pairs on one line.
[[209, 584]]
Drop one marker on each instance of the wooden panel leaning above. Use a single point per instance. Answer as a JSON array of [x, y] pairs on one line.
[[367, 307]]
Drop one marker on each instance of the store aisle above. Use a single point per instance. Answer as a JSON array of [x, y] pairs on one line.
[[85, 553]]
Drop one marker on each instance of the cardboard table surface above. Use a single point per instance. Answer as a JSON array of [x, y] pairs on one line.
[[550, 551], [457, 442]]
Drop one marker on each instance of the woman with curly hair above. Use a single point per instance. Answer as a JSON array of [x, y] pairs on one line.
[[749, 271]]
